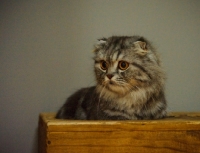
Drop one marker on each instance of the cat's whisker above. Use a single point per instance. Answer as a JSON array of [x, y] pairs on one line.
[[130, 89], [100, 98], [101, 92], [122, 88]]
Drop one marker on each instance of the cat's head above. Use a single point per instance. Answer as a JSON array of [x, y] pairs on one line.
[[123, 64]]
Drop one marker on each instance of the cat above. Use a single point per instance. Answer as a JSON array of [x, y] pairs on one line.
[[130, 83]]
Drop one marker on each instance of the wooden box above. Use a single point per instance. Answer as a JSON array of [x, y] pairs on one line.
[[179, 132]]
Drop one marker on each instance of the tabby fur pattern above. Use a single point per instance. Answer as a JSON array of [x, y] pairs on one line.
[[129, 83]]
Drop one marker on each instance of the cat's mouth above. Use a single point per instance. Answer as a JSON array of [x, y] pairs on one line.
[[115, 87], [111, 82]]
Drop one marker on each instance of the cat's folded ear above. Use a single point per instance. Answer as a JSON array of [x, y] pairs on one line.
[[140, 47], [100, 44]]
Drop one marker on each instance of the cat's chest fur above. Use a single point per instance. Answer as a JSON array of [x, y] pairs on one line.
[[127, 106]]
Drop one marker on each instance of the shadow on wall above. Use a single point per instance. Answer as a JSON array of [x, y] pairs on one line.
[[34, 147]]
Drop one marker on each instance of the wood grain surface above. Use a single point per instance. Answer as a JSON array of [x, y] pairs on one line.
[[178, 132]]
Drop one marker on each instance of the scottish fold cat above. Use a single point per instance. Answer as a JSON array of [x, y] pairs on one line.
[[129, 83]]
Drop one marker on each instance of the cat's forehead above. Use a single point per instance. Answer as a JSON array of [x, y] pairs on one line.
[[122, 48], [114, 55], [119, 43]]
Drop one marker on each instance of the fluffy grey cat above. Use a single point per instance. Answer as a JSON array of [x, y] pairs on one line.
[[130, 83]]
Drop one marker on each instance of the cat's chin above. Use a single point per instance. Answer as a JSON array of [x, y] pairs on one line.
[[117, 89], [114, 89]]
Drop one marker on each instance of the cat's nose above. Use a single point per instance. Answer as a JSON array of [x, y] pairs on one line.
[[109, 76]]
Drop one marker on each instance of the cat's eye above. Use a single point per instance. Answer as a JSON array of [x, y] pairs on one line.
[[103, 65], [123, 65]]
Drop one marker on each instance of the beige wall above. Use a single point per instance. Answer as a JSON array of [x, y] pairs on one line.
[[46, 50]]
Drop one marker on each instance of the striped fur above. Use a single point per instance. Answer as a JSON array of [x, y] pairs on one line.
[[130, 83]]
